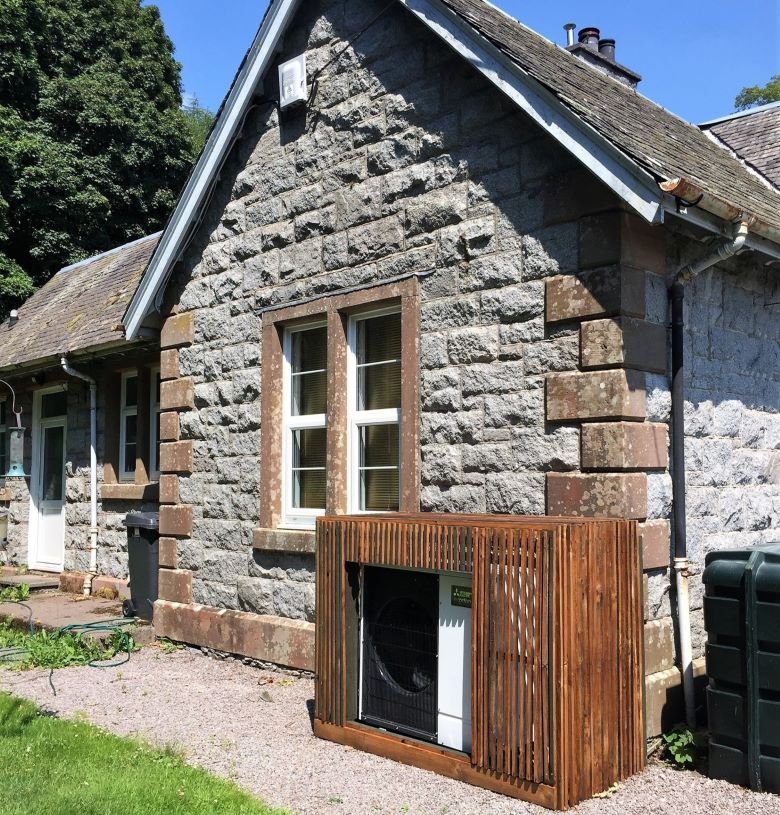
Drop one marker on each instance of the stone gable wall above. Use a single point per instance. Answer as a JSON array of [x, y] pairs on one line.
[[732, 413], [397, 166]]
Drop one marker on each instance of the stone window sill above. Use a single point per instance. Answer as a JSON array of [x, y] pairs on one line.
[[292, 541], [5, 494], [130, 492]]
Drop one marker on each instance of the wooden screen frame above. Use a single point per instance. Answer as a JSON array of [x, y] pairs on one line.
[[595, 661]]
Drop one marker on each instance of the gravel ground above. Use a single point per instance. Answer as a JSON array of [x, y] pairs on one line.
[[254, 727]]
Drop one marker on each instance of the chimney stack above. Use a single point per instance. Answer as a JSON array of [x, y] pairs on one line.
[[600, 53]]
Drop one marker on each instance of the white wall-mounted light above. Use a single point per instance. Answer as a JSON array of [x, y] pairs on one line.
[[292, 81]]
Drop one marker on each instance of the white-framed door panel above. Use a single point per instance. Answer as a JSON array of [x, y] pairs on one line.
[[46, 546]]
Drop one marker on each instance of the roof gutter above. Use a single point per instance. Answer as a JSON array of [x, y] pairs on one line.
[[684, 190]]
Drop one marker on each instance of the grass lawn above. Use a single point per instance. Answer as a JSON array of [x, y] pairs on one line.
[[50, 765]]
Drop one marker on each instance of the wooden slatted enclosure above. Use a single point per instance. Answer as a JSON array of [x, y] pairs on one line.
[[556, 702]]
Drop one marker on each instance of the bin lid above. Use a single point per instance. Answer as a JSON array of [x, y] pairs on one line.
[[143, 520], [726, 566]]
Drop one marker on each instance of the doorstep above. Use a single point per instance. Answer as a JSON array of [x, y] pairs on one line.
[[35, 580]]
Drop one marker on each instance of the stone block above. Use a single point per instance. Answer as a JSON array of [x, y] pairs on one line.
[[603, 292], [664, 705], [621, 237], [284, 540], [574, 194], [618, 394], [110, 587], [656, 538], [659, 645], [600, 495], [176, 457], [175, 585], [169, 426], [72, 582], [169, 489], [176, 520], [473, 345], [178, 394], [625, 342], [168, 556], [177, 330], [624, 446], [258, 636], [169, 364]]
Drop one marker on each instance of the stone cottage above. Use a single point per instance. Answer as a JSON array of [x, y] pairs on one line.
[[88, 400], [440, 281]]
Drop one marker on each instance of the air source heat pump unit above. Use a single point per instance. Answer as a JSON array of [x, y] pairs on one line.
[[415, 671], [500, 650]]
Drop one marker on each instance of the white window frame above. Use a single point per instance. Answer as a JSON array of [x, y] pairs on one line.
[[154, 412], [124, 412], [296, 517], [357, 419]]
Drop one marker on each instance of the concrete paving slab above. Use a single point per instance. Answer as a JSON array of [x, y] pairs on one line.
[[34, 581], [52, 610]]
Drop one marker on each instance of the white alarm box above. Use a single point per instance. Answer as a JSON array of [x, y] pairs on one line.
[[292, 81]]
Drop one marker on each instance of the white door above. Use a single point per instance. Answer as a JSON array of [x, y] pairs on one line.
[[47, 522]]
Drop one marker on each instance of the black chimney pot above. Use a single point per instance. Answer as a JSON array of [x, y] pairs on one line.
[[607, 49]]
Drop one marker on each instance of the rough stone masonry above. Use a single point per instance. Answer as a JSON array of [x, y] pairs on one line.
[[543, 350]]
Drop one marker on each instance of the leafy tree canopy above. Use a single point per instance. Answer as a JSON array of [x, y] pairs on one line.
[[94, 146], [199, 121], [757, 95]]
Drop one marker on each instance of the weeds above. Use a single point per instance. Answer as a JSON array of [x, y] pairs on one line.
[[55, 649], [14, 593], [682, 747]]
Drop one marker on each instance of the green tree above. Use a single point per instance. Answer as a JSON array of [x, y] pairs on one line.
[[199, 121], [94, 146], [757, 95]]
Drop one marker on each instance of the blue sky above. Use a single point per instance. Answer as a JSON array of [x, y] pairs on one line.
[[694, 55]]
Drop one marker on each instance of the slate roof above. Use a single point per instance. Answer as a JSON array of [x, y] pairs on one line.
[[664, 145], [80, 308], [754, 135]]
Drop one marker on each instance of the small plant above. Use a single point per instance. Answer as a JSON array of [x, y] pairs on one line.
[[682, 746], [14, 593], [168, 646]]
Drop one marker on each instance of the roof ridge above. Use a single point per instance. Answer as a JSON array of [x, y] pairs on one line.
[[107, 253], [740, 114]]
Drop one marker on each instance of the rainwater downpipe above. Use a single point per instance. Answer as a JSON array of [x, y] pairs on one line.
[[680, 561], [93, 531]]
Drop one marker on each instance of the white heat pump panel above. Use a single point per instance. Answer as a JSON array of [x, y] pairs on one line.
[[454, 685]]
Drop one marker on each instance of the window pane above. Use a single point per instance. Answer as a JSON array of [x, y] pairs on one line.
[[308, 470], [131, 425], [309, 349], [379, 386], [379, 339], [379, 490], [309, 378], [156, 444], [309, 489], [379, 445], [54, 404], [309, 393], [53, 475], [131, 391], [2, 414]]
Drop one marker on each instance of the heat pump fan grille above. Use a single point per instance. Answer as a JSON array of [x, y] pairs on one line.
[[400, 651]]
